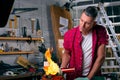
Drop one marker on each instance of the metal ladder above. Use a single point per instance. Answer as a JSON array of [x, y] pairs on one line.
[[112, 39]]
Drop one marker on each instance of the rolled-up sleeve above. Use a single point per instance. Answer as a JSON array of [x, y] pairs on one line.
[[102, 36], [66, 43], [69, 39]]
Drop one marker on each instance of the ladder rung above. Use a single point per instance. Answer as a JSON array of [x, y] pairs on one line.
[[115, 51], [113, 24]]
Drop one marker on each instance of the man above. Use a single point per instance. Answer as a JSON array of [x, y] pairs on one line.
[[85, 46]]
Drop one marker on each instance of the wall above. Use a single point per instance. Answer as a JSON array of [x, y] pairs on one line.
[[43, 14]]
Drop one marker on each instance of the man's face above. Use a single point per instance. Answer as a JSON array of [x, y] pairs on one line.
[[86, 23]]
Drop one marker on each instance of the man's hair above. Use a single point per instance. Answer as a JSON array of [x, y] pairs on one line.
[[91, 11]]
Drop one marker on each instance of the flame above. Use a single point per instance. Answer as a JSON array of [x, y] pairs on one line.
[[52, 68]]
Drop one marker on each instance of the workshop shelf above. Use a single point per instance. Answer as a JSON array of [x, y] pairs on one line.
[[19, 39]]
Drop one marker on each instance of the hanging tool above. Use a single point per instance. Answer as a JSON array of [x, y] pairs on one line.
[[32, 24], [15, 22], [10, 23], [112, 39], [11, 26], [38, 29], [21, 10], [37, 25]]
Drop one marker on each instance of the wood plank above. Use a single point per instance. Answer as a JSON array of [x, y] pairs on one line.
[[16, 52], [19, 38], [56, 13]]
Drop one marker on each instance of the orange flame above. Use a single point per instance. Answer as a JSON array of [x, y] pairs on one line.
[[52, 68]]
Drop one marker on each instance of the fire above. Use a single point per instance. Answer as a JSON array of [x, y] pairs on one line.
[[52, 68]]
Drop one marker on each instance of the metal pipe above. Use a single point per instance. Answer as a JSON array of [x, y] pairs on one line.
[[106, 4]]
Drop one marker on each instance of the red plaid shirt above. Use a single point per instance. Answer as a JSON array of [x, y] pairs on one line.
[[72, 42]]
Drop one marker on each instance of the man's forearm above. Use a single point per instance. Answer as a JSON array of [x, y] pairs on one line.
[[65, 60], [96, 67], [99, 61]]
